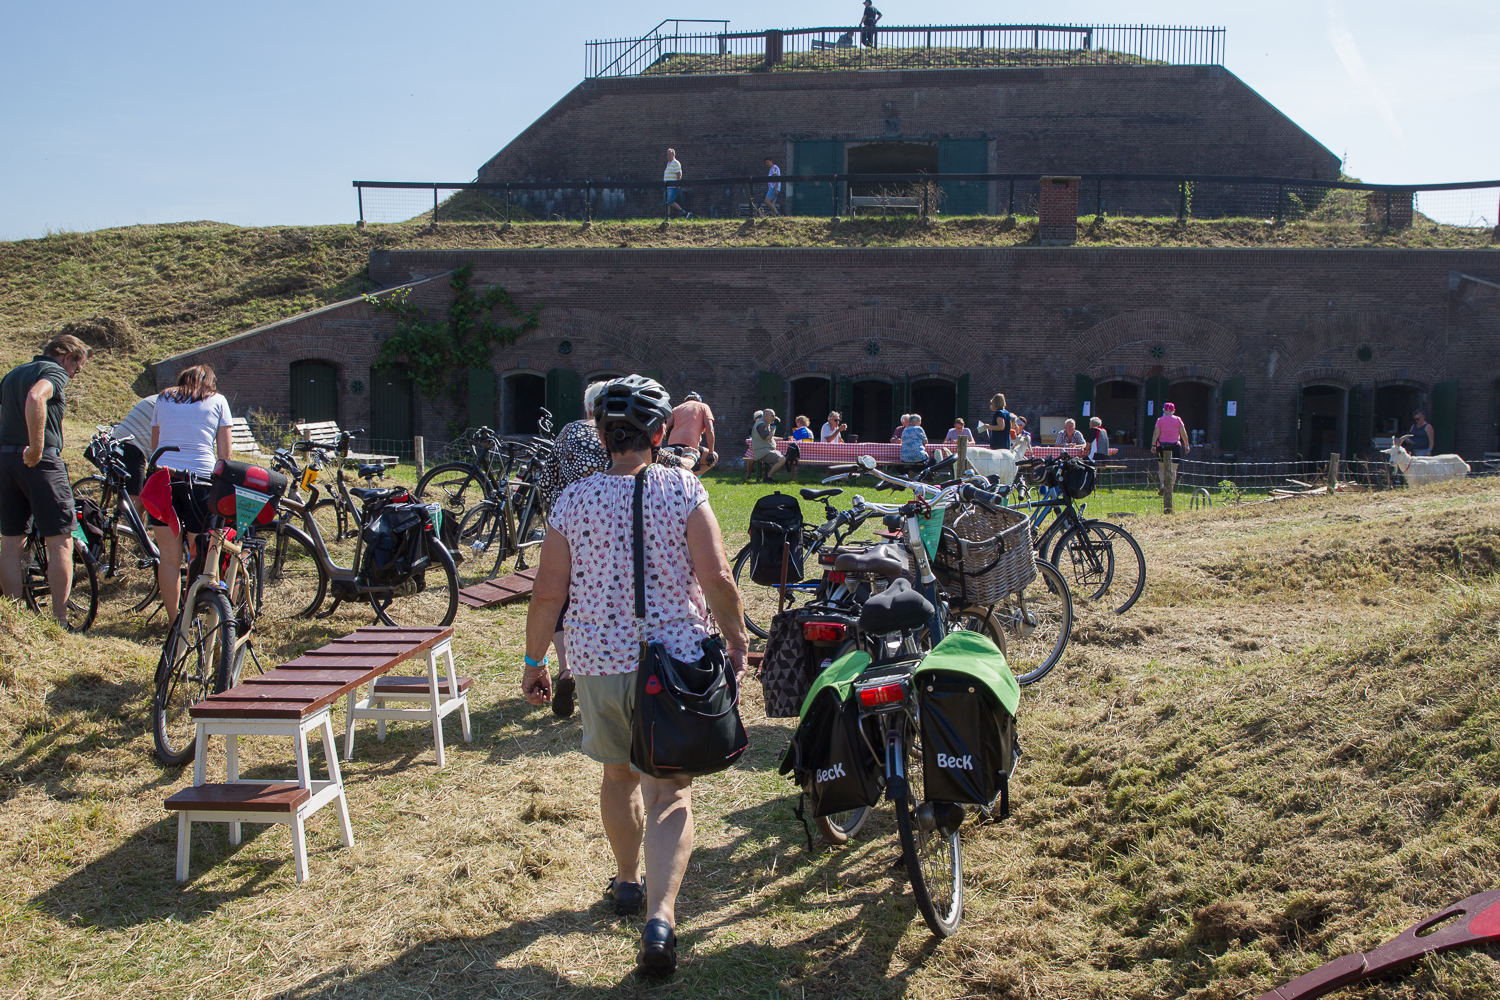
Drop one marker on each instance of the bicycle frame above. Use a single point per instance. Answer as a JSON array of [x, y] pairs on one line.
[[218, 544]]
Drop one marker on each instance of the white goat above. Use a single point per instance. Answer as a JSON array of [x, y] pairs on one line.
[[1419, 470], [998, 461]]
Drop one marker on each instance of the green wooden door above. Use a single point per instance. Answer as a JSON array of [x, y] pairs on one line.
[[964, 156], [564, 396], [1444, 417], [314, 392], [770, 391], [903, 395], [1356, 441], [961, 402], [846, 397], [1232, 420], [1156, 396], [1083, 401], [481, 397], [816, 157], [391, 410]]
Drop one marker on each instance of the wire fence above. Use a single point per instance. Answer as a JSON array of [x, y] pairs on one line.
[[1228, 478], [668, 50], [1206, 197]]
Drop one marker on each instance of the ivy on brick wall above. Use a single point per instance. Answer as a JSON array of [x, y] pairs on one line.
[[438, 355]]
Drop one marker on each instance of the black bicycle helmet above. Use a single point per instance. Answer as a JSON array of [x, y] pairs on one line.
[[632, 403]]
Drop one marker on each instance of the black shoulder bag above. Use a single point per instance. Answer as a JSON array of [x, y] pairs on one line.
[[687, 715]]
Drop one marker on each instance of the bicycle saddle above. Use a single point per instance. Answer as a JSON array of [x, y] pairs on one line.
[[376, 494], [880, 560], [372, 470], [895, 609], [811, 494]]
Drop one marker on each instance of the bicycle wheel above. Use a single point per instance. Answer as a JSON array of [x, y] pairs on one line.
[[429, 598], [91, 487], [837, 828], [295, 579], [1102, 558], [977, 618], [456, 485], [760, 601], [483, 537], [83, 596], [930, 847], [531, 526], [195, 663], [127, 571], [1037, 622], [339, 530]]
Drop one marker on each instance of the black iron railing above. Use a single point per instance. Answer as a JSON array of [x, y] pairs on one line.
[[668, 50]]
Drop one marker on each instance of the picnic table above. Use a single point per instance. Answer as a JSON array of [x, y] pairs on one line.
[[294, 700]]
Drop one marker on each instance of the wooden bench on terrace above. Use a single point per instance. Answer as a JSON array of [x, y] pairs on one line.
[[882, 202], [294, 700], [326, 433], [241, 439]]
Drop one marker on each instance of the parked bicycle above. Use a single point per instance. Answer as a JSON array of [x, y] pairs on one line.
[[338, 516], [36, 588], [124, 550]]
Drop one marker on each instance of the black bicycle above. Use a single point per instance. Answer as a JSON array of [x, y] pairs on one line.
[[36, 588], [124, 550]]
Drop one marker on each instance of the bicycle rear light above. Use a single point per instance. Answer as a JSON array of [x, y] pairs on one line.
[[883, 695], [825, 631], [836, 577]]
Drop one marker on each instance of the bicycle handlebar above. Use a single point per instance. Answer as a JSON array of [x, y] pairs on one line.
[[162, 451]]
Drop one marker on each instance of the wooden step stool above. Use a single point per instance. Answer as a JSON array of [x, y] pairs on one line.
[[442, 695]]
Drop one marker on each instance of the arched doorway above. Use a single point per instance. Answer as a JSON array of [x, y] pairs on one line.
[[937, 401], [1194, 402], [1118, 403], [812, 398], [873, 417], [1320, 430], [314, 392], [1394, 405], [524, 394]]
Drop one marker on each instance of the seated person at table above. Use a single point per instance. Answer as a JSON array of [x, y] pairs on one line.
[[914, 440], [900, 428], [830, 430], [958, 430], [803, 431], [1019, 434], [1099, 446], [1069, 435], [763, 442]]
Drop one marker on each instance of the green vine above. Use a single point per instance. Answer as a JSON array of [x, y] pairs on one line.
[[436, 354]]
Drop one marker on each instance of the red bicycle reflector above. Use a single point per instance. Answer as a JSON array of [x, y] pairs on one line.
[[883, 695], [825, 631], [836, 577]]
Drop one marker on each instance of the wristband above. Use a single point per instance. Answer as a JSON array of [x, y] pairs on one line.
[[536, 663]]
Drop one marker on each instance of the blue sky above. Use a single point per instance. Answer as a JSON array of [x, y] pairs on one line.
[[260, 114]]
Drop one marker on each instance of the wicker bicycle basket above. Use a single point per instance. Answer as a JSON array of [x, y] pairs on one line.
[[985, 557]]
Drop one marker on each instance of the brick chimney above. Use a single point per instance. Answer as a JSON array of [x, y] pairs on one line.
[[1057, 211]]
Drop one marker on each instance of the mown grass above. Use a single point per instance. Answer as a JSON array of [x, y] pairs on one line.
[[1220, 790]]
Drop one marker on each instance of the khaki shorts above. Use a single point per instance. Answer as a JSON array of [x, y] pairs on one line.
[[606, 704]]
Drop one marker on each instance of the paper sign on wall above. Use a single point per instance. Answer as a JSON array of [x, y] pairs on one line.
[[1087, 409], [1232, 408], [1150, 407]]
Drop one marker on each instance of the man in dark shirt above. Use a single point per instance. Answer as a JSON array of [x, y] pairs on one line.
[[867, 25], [33, 479]]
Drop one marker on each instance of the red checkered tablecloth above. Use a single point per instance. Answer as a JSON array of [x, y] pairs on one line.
[[818, 453]]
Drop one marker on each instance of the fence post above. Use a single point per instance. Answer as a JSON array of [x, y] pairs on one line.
[[1333, 471], [418, 456], [361, 206], [1011, 207], [1280, 198], [434, 206], [507, 204], [1182, 201], [1168, 481], [1387, 210], [1099, 198], [962, 464]]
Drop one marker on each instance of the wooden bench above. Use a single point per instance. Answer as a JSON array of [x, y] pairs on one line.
[[240, 437], [293, 701], [882, 202], [326, 433]]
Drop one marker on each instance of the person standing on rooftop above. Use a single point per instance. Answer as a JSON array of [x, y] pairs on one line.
[[867, 25]]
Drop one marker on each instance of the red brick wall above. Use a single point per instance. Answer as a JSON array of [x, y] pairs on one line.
[[1057, 210], [1020, 321]]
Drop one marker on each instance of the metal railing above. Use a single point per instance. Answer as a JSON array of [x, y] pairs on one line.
[[660, 52], [1474, 204]]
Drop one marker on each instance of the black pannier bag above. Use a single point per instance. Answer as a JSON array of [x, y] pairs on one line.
[[830, 758], [783, 672], [969, 698], [776, 538], [235, 483], [396, 544], [91, 524], [1078, 478]]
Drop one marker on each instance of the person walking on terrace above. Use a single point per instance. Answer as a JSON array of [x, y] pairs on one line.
[[673, 175], [33, 479], [587, 551], [773, 186], [867, 23]]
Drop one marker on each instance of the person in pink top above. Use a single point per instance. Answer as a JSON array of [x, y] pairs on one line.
[[1170, 438], [691, 429]]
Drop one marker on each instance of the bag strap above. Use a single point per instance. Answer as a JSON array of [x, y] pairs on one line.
[[638, 544]]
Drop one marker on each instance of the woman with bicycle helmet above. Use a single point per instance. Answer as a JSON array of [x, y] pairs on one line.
[[193, 416], [587, 563]]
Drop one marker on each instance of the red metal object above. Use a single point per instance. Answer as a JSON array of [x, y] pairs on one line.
[[836, 577], [883, 695], [1478, 922], [825, 631]]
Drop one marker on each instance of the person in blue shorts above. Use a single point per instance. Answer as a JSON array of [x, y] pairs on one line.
[[672, 175]]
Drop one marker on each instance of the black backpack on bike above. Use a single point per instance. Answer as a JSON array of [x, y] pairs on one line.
[[396, 544], [91, 521], [776, 538], [1073, 476]]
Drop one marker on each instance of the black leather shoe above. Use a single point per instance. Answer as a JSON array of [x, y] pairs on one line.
[[658, 949], [563, 689], [627, 896]]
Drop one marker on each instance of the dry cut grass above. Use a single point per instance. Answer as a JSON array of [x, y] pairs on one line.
[[1289, 750]]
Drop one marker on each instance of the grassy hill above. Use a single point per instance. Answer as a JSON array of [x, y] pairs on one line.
[[1290, 749], [153, 290]]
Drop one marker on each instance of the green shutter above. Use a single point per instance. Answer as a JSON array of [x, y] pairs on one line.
[[770, 391], [1083, 400], [903, 394], [964, 156], [846, 396], [564, 396], [818, 157], [654, 373], [961, 401], [1232, 428], [1444, 417], [1355, 439], [391, 406], [1156, 395], [481, 397]]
